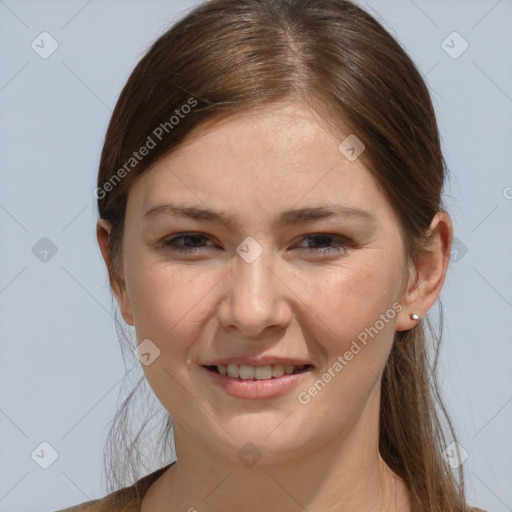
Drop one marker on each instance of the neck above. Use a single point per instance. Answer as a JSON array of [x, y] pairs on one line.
[[345, 470]]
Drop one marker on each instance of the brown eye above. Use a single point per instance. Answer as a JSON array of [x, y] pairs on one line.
[[195, 243], [340, 244], [192, 242]]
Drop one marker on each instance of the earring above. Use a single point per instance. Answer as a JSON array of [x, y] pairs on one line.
[[414, 316]]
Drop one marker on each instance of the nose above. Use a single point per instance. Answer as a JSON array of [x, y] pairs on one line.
[[256, 297]]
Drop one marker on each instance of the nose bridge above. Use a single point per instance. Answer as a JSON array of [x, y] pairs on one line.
[[255, 294]]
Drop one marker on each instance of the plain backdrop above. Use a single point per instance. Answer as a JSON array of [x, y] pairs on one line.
[[61, 367]]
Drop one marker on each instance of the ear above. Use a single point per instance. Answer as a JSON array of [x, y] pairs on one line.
[[117, 283], [427, 277]]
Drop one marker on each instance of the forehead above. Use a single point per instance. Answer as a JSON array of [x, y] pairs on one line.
[[259, 162]]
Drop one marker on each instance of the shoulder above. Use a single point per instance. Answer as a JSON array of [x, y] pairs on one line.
[[124, 500], [90, 506]]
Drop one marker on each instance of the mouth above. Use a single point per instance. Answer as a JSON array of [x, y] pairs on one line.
[[256, 382], [266, 372]]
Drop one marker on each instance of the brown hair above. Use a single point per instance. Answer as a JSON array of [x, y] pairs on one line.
[[231, 56]]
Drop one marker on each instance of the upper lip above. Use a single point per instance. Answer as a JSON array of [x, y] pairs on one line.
[[260, 361]]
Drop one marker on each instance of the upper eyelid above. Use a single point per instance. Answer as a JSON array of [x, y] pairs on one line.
[[339, 238], [206, 235]]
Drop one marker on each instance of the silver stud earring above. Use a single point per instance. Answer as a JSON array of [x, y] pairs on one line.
[[414, 316]]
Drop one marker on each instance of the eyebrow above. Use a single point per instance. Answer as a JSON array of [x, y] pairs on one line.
[[288, 217]]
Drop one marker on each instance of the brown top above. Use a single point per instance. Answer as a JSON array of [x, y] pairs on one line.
[[127, 499]]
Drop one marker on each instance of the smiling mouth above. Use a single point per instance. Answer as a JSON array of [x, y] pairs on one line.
[[267, 372]]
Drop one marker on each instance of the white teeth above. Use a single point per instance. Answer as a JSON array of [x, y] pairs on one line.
[[277, 370], [246, 372], [263, 372], [232, 370], [288, 368], [257, 372]]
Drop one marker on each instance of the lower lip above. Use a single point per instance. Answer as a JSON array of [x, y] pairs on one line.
[[254, 388]]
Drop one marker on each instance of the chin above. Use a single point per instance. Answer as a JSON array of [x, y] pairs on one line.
[[263, 441]]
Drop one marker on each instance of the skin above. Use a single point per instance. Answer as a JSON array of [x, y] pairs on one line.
[[289, 302]]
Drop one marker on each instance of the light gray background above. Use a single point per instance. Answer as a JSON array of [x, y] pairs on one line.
[[61, 367]]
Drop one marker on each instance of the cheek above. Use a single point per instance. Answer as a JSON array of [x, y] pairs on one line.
[[353, 299], [356, 331], [165, 301], [167, 307]]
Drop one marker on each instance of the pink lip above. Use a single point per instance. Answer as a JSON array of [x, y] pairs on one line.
[[254, 388]]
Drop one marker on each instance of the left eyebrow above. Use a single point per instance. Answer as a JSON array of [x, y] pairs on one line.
[[288, 217]]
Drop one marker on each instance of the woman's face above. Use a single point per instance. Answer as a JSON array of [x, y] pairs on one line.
[[324, 292]]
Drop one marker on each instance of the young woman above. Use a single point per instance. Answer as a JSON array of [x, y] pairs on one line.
[[270, 209]]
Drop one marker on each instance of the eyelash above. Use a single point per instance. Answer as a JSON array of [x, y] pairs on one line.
[[341, 242]]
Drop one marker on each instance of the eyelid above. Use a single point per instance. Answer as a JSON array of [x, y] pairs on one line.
[[342, 243]]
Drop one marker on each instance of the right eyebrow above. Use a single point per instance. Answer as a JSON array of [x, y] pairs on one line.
[[288, 217]]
